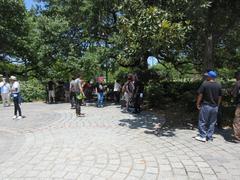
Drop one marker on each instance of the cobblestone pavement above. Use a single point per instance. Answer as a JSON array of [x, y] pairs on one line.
[[51, 143]]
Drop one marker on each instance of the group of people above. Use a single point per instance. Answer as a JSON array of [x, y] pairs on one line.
[[80, 92], [208, 103], [11, 90], [131, 93]]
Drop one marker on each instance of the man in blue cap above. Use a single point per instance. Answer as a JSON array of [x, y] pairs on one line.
[[208, 100]]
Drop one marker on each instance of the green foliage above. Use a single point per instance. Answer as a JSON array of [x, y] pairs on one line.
[[32, 90], [12, 17], [121, 74], [146, 30], [182, 92], [95, 37]]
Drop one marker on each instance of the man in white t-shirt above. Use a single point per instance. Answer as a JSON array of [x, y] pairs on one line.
[[5, 92]]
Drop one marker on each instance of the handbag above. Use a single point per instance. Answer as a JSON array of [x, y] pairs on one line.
[[80, 96]]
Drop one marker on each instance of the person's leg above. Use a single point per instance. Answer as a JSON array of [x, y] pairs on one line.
[[101, 99], [118, 97], [212, 122], [137, 104], [15, 101], [19, 109], [77, 107], [72, 99], [3, 99], [8, 99], [115, 96], [236, 123], [127, 103], [65, 96], [203, 118], [219, 117], [18, 105], [98, 99], [53, 96], [80, 103], [49, 97]]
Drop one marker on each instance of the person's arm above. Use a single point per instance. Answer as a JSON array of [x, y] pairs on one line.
[[70, 87], [199, 100], [80, 87], [235, 90], [219, 100], [81, 90], [200, 96]]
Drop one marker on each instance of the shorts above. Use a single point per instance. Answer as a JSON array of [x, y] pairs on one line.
[[51, 93]]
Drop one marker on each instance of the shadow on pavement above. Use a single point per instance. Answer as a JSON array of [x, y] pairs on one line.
[[151, 124], [155, 125], [227, 134]]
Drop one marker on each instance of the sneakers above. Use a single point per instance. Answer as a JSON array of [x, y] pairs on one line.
[[199, 138], [19, 117], [80, 115]]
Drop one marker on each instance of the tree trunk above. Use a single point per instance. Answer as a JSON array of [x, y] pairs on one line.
[[208, 61], [208, 53], [143, 62]]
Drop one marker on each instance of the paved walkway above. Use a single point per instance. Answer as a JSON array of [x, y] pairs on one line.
[[51, 143]]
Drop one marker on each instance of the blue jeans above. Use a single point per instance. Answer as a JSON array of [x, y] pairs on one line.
[[207, 121], [100, 98]]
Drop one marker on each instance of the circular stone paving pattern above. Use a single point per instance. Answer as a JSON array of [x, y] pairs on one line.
[[107, 144]]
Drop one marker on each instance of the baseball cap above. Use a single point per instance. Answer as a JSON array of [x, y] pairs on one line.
[[212, 74], [13, 78]]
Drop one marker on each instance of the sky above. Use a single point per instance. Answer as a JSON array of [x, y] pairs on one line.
[[29, 3]]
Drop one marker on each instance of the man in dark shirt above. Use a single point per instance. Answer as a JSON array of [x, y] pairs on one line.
[[236, 95], [208, 101], [137, 94]]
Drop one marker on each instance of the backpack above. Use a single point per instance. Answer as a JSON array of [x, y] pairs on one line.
[[129, 87]]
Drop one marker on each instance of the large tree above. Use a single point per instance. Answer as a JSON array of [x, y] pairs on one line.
[[12, 26], [145, 29]]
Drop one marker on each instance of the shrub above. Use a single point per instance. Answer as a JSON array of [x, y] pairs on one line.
[[159, 92], [32, 90]]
